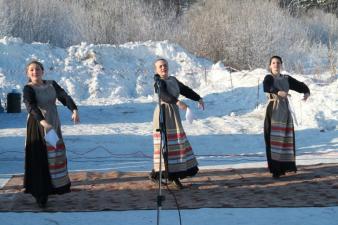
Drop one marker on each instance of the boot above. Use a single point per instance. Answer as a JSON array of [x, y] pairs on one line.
[[178, 183], [276, 175], [42, 201], [154, 177]]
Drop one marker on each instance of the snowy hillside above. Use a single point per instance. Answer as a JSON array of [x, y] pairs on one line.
[[108, 74], [99, 73]]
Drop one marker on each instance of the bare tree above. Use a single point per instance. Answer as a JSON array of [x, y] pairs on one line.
[[241, 33]]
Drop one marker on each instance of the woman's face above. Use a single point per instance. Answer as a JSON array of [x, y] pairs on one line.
[[34, 73], [275, 66], [161, 68]]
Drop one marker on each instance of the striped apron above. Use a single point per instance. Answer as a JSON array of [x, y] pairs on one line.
[[180, 157]]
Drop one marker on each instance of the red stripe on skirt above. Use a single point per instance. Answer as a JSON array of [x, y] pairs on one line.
[[58, 147], [282, 128], [58, 166], [170, 136], [281, 144], [175, 153]]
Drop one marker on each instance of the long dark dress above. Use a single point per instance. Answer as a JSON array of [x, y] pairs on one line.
[[180, 161], [278, 125], [45, 166]]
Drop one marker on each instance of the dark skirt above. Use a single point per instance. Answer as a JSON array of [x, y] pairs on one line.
[[37, 179], [275, 167]]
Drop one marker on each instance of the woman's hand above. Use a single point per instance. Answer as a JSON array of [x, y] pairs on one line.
[[201, 104], [75, 117], [282, 94], [306, 96], [181, 105], [46, 125]]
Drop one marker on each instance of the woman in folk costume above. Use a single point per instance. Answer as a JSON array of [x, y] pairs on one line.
[[181, 161], [278, 125], [45, 165]]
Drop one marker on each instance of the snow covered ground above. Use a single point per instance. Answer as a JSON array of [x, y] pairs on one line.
[[231, 216], [113, 88]]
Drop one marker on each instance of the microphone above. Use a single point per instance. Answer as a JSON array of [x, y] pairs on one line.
[[158, 83], [157, 77]]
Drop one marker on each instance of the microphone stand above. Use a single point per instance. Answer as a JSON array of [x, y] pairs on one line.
[[163, 149]]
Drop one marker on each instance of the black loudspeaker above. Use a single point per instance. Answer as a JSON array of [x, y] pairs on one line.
[[13, 102]]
